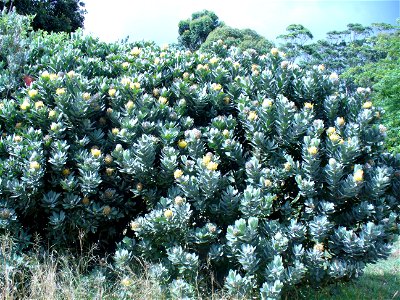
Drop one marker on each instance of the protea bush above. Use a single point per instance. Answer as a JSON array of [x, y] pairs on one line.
[[240, 170]]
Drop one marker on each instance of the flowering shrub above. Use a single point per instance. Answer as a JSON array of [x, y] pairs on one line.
[[247, 167]]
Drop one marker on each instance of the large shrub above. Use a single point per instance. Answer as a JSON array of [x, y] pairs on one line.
[[243, 170]]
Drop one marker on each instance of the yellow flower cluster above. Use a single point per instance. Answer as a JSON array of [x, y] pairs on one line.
[[252, 116], [34, 165], [86, 96], [32, 93], [135, 51], [358, 175], [25, 105], [95, 152], [182, 144], [111, 92], [312, 150], [162, 100], [168, 214], [178, 173], [129, 105], [308, 105], [39, 104], [367, 105], [60, 91], [216, 87]]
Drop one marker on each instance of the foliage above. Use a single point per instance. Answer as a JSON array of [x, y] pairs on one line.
[[241, 38], [243, 169], [51, 15], [194, 31]]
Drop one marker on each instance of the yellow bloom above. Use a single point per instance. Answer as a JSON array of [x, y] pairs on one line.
[[206, 159], [129, 105], [95, 152], [321, 67], [334, 137], [135, 225], [164, 47], [216, 87], [358, 176], [185, 75], [367, 105], [71, 74], [163, 100], [86, 96], [163, 54], [115, 131], [17, 138], [227, 100], [287, 166], [111, 92], [168, 214], [236, 65], [178, 173], [156, 92], [340, 121], [60, 91], [53, 76], [45, 75], [274, 51], [308, 105], [108, 159], [110, 171], [18, 125], [267, 103], [178, 200], [134, 85], [125, 65], [25, 105], [267, 182], [52, 114], [225, 133], [139, 187], [156, 61], [212, 166], [39, 104], [106, 210], [125, 81], [135, 51], [54, 126], [312, 150], [32, 93], [331, 130], [214, 60], [34, 165], [182, 144], [319, 247], [66, 172], [252, 116], [334, 77], [85, 201]]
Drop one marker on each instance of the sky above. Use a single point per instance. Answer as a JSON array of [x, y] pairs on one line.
[[157, 20]]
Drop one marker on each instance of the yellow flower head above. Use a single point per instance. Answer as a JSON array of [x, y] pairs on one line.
[[66, 172], [267, 182], [110, 171], [287, 166], [236, 65], [129, 105], [267, 103], [52, 114], [71, 74], [126, 282], [252, 116], [86, 96], [162, 100], [125, 81], [185, 75], [312, 150], [25, 105], [95, 152], [334, 137], [178, 200], [17, 138], [227, 100], [358, 175], [108, 159], [125, 65], [182, 144], [225, 133], [115, 131], [106, 210], [331, 130], [54, 126], [139, 187], [319, 247], [321, 68], [134, 85], [168, 214], [18, 125], [53, 76], [308, 105], [32, 93], [206, 159], [111, 92], [60, 91], [45, 75], [135, 51], [164, 47], [39, 104], [274, 51], [135, 225], [212, 166], [214, 60], [85, 201], [178, 173], [340, 121], [34, 165], [367, 105], [156, 61], [216, 87], [334, 77]]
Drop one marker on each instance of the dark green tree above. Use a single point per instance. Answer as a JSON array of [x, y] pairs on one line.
[[194, 31], [241, 38], [51, 15], [294, 39]]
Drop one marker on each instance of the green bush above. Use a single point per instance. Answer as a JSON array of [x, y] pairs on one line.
[[244, 170]]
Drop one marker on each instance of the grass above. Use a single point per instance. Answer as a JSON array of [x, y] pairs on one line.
[[43, 275]]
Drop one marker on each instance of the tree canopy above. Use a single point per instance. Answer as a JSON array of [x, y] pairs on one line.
[[51, 15]]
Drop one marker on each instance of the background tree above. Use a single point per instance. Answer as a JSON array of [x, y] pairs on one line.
[[241, 38], [294, 40], [194, 31], [51, 15]]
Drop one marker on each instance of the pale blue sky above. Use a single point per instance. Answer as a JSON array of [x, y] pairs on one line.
[[158, 20]]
